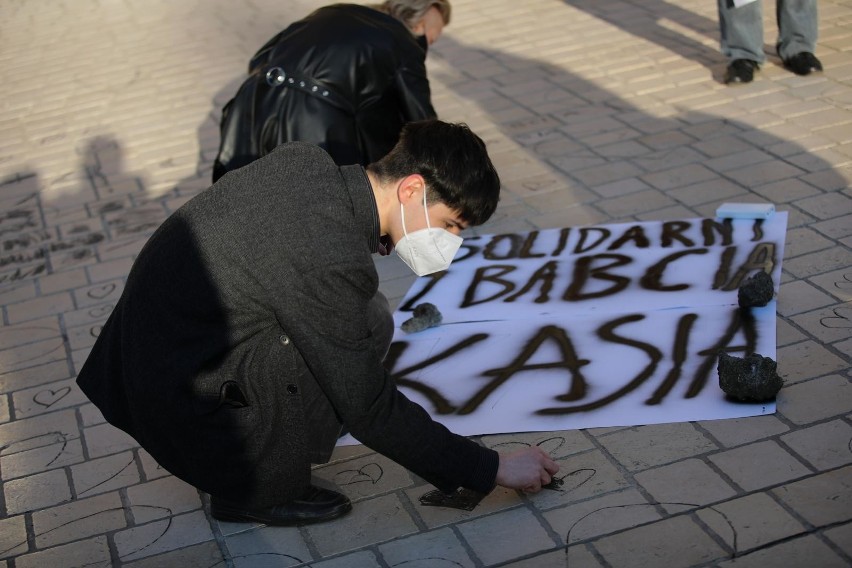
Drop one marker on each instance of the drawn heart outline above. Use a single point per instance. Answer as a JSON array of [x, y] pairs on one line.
[[101, 292], [842, 318], [371, 472], [49, 397]]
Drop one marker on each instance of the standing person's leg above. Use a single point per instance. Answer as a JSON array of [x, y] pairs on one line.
[[797, 35], [741, 39]]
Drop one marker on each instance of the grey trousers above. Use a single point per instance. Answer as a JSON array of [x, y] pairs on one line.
[[741, 29], [325, 427]]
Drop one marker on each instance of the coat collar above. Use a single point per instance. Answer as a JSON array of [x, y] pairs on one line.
[[363, 203]]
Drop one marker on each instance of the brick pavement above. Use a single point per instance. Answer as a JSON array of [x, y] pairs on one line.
[[594, 112]]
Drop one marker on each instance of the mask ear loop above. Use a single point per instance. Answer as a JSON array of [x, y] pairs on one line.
[[425, 212], [402, 218], [429, 225]]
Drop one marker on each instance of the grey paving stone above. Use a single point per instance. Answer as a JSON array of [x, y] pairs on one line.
[[505, 536], [806, 360], [268, 547], [715, 191], [759, 465], [90, 552], [824, 446], [844, 347], [365, 476], [91, 415], [29, 310], [804, 240], [105, 474], [690, 481], [162, 536], [606, 514], [36, 491], [838, 283], [750, 522], [105, 439], [381, 519], [152, 469], [785, 191], [823, 499], [638, 202], [799, 297], [826, 206], [164, 497], [13, 536], [818, 399], [575, 556], [738, 431], [365, 559], [831, 324], [621, 187], [206, 554], [841, 537], [30, 376], [439, 548], [677, 541], [829, 260], [647, 446], [78, 519], [836, 228], [31, 354], [10, 293], [804, 551]]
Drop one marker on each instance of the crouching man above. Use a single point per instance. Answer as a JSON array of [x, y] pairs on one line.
[[251, 327]]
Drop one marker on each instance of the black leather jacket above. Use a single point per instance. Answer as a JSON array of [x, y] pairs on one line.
[[351, 76]]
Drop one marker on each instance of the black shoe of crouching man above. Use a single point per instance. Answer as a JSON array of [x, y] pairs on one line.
[[740, 71], [317, 505], [803, 63]]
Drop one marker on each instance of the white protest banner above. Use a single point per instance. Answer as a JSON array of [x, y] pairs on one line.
[[607, 325]]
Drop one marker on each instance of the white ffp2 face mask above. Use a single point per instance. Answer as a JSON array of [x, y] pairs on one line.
[[427, 250]]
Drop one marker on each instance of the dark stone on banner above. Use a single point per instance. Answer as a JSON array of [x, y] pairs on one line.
[[756, 292], [750, 379], [426, 315]]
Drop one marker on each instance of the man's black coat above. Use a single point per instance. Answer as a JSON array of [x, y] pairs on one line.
[[246, 293]]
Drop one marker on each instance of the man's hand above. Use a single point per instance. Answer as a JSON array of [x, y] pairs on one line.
[[526, 469]]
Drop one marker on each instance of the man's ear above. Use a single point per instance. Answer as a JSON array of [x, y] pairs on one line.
[[411, 188]]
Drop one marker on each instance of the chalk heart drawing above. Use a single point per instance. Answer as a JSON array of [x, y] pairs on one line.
[[842, 318], [101, 292], [846, 283], [576, 478], [552, 445], [101, 311], [49, 397], [369, 473]]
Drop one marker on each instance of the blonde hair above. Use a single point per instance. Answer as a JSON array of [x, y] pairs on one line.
[[410, 12]]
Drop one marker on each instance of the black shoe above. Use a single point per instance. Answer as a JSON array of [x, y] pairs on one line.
[[740, 71], [315, 506], [803, 63]]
